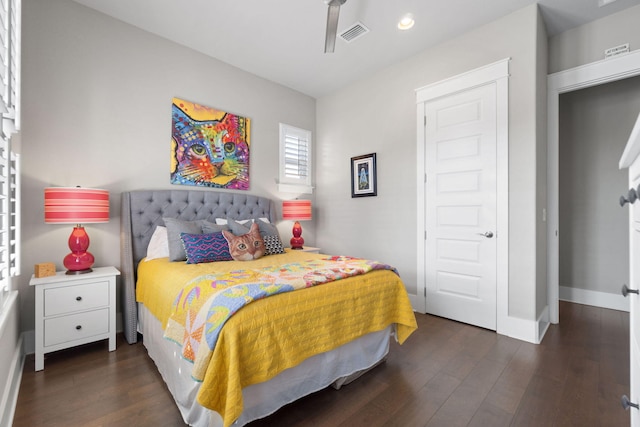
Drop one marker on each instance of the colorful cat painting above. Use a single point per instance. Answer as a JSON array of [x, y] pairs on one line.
[[246, 247], [209, 148]]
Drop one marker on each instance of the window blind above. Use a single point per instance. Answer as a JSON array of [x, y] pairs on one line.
[[295, 159]]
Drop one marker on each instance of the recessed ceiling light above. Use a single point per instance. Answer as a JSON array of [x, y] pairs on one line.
[[406, 22], [604, 2]]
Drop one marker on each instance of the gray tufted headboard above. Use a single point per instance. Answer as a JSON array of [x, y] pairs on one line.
[[143, 210]]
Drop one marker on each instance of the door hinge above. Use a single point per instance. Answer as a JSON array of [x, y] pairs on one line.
[[425, 120], [425, 235], [425, 178], [425, 291]]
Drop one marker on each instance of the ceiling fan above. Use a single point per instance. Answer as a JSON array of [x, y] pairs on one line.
[[332, 24]]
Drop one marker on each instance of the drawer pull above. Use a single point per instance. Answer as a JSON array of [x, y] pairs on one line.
[[626, 403], [78, 298], [632, 196], [78, 327], [626, 290]]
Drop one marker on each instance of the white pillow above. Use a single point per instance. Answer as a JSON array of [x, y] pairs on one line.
[[158, 245], [223, 221]]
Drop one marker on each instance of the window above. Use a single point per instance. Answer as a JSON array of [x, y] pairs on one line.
[[295, 160], [9, 160]]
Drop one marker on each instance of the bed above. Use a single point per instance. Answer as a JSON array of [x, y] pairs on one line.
[[273, 350]]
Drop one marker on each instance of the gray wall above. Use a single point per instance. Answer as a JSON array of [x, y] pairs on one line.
[[541, 167], [96, 112], [378, 114], [587, 43], [595, 124]]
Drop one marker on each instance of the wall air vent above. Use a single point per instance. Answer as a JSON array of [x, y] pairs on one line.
[[355, 31]]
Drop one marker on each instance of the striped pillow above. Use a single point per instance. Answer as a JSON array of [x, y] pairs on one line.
[[202, 248]]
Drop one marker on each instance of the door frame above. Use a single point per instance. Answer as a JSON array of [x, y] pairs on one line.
[[584, 76], [498, 73]]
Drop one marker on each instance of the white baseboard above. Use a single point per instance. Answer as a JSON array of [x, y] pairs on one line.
[[525, 330], [594, 298], [514, 327], [14, 357], [543, 323], [12, 387], [417, 303]]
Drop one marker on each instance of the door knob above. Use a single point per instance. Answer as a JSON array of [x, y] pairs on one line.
[[626, 403], [632, 196], [488, 234], [626, 290]]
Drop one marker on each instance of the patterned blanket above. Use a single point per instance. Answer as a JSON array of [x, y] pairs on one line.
[[205, 304]]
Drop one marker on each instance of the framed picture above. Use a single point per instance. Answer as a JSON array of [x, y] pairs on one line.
[[209, 147], [363, 176]]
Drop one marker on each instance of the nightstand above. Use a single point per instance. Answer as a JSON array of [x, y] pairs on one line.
[[74, 309], [310, 249]]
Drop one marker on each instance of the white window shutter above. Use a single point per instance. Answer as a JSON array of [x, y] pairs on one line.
[[15, 237], [10, 19], [5, 218], [295, 160]]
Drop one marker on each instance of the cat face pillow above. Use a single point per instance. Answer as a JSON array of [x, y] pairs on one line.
[[246, 247]]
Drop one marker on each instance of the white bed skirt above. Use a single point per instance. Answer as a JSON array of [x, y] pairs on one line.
[[260, 400]]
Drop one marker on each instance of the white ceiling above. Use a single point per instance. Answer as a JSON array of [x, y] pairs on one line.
[[283, 40]]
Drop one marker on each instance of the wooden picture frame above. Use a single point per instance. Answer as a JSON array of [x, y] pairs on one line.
[[364, 181]]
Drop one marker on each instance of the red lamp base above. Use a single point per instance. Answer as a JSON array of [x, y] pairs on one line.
[[297, 241], [79, 261]]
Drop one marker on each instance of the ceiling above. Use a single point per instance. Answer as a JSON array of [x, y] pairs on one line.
[[283, 40]]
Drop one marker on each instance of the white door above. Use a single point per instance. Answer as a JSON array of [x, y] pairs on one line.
[[634, 303], [460, 196], [631, 159], [634, 312]]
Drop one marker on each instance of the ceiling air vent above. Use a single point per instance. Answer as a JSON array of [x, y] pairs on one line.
[[355, 31]]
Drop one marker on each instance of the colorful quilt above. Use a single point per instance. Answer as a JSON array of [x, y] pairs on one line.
[[205, 304]]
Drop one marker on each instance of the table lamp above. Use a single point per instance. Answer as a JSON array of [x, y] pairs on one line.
[[296, 210], [76, 205]]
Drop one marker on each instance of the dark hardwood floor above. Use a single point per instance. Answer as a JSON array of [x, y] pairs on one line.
[[446, 374]]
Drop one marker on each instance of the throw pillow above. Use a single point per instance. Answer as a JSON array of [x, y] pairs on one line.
[[246, 247], [271, 237], [174, 228], [209, 227], [158, 245], [238, 227], [223, 221], [273, 245], [208, 247]]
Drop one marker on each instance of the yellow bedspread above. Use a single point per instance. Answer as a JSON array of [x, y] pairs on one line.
[[277, 333]]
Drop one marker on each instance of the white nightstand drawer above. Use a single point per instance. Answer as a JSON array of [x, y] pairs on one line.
[[69, 299], [76, 326]]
